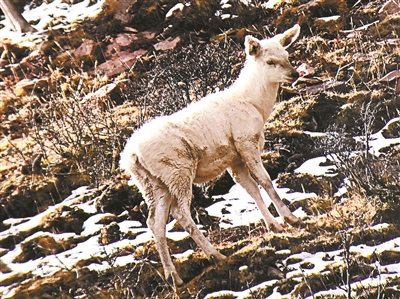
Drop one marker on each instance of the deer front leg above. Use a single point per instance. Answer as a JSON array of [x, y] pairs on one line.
[[265, 181], [260, 174], [241, 175], [251, 157]]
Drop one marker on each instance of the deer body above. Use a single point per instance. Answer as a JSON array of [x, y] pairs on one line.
[[224, 130]]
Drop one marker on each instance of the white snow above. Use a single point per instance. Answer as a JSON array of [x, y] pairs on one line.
[[92, 226], [314, 167], [246, 293], [238, 208], [50, 15], [378, 141]]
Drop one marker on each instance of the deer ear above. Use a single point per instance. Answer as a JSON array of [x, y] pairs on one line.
[[289, 36], [252, 45]]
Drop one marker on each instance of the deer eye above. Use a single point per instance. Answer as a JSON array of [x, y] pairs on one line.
[[271, 62]]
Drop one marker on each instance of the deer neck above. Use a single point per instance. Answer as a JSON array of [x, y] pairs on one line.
[[257, 91]]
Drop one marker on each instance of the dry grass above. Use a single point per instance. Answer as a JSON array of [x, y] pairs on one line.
[[80, 138]]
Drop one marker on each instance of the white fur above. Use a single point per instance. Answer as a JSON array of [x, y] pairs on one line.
[[224, 130]]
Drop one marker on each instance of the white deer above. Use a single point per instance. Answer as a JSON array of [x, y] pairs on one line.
[[224, 130]]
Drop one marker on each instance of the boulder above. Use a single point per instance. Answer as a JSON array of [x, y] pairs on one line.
[[39, 245]]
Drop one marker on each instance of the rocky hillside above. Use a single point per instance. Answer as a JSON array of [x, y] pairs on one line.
[[71, 224]]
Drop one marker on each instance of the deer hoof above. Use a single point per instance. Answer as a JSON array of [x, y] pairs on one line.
[[218, 256], [174, 278], [275, 227]]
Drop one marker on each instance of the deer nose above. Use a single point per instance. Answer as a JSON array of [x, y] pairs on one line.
[[294, 74]]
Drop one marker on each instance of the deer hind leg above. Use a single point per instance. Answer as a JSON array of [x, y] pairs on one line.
[[157, 219], [242, 176], [180, 210], [182, 214], [158, 200]]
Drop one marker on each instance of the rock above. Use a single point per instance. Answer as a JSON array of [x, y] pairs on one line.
[[304, 182], [331, 24], [168, 44], [318, 13], [120, 62], [391, 7], [40, 194], [124, 41], [305, 70], [121, 8], [393, 79], [110, 234], [390, 26], [88, 51], [4, 268], [275, 273], [39, 245], [65, 219], [387, 257], [149, 13], [175, 12], [99, 98], [46, 287], [392, 130], [333, 85], [120, 198]]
